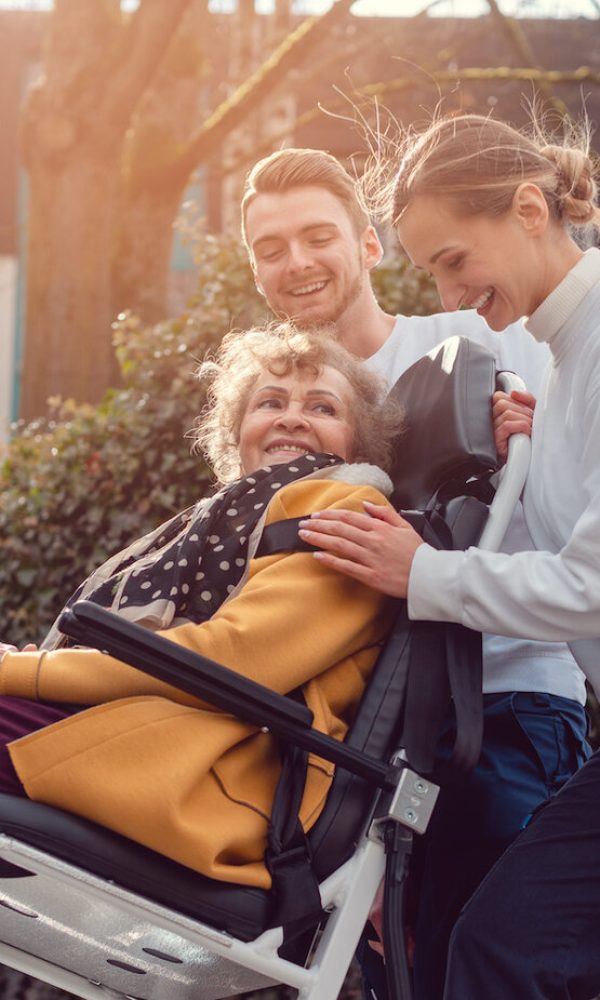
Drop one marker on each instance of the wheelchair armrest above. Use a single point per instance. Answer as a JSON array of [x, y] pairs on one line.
[[226, 689], [176, 665]]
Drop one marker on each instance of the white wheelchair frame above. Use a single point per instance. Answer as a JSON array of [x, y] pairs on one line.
[[94, 939]]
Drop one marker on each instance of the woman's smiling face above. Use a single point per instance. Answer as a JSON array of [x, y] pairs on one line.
[[481, 262], [296, 414]]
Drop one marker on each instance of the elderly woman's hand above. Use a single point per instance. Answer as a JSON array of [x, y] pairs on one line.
[[512, 414], [377, 547]]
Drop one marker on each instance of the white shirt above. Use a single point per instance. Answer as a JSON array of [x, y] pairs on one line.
[[553, 593], [509, 664]]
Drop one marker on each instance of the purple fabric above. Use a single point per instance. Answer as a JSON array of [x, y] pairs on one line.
[[18, 717]]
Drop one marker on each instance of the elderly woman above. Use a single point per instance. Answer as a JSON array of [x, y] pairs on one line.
[[89, 734]]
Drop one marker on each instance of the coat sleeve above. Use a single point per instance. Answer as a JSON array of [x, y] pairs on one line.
[[293, 619], [533, 595]]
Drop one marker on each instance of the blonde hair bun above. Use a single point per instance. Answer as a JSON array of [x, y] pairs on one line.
[[576, 190]]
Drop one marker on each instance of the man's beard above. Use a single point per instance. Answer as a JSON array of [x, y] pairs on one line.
[[330, 314]]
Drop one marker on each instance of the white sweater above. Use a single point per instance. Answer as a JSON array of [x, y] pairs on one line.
[[509, 664], [553, 593]]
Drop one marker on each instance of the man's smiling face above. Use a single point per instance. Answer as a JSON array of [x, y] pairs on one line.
[[308, 260]]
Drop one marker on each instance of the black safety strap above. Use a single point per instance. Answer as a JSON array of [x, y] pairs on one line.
[[283, 536], [464, 659], [431, 526], [445, 668], [446, 662], [480, 487], [295, 889], [427, 695]]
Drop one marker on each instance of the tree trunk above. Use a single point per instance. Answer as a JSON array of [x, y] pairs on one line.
[[68, 344], [166, 117], [142, 264], [98, 64]]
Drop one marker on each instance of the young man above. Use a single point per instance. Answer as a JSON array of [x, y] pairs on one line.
[[312, 247]]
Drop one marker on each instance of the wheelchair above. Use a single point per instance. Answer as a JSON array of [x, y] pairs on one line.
[[97, 915]]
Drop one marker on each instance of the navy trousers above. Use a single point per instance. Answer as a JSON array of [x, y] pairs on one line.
[[532, 744], [532, 930]]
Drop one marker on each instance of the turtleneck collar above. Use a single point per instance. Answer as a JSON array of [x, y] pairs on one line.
[[556, 309]]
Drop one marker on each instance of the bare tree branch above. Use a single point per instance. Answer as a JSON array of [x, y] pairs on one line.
[[582, 75], [511, 27], [134, 60], [232, 112]]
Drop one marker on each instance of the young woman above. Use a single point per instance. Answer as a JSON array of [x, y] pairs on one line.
[[491, 214]]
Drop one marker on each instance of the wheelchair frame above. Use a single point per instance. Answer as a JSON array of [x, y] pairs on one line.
[[153, 950]]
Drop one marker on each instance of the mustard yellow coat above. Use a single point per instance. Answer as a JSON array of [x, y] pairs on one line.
[[169, 771]]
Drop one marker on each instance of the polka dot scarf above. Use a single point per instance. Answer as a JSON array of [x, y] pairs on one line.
[[185, 569]]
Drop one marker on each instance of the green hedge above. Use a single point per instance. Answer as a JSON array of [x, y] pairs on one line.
[[81, 484]]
